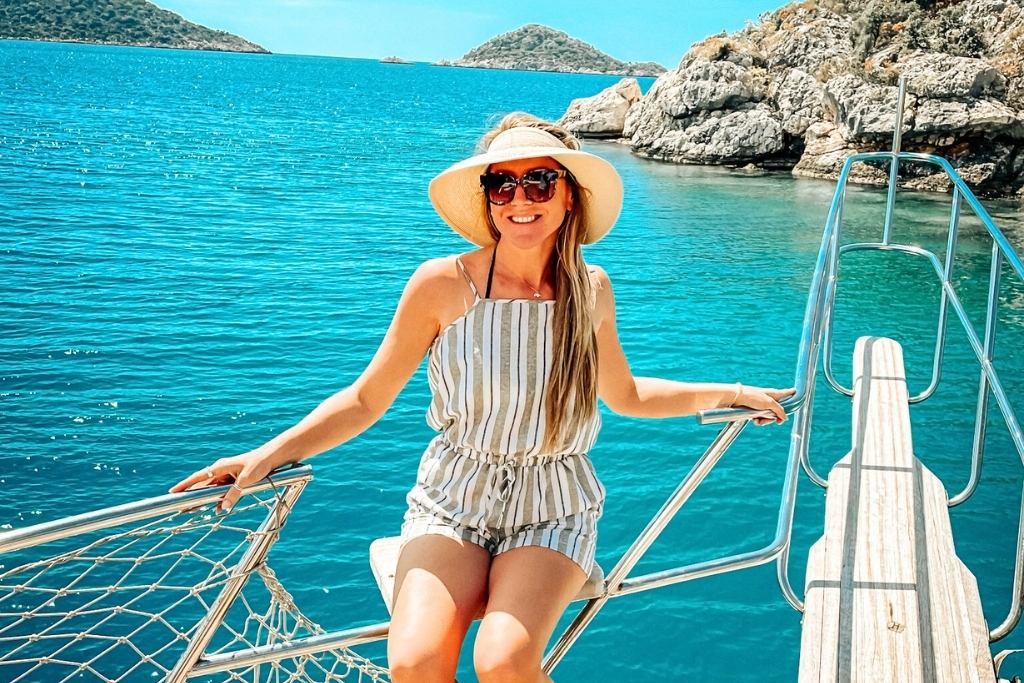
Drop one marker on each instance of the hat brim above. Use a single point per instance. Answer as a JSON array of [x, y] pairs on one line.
[[459, 200]]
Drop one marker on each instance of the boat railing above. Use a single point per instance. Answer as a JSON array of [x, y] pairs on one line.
[[818, 329], [163, 587]]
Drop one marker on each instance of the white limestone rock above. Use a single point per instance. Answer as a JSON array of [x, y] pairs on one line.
[[864, 110], [966, 116], [810, 40], [798, 97], [705, 86], [604, 114], [719, 136], [936, 75]]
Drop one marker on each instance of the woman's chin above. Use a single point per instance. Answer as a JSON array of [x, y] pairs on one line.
[[526, 238], [525, 242]]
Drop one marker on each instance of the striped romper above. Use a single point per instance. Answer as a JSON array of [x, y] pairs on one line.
[[484, 478]]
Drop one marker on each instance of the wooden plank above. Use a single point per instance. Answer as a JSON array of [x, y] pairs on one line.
[[886, 595]]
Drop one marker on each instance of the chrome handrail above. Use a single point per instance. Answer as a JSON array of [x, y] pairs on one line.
[[818, 322], [66, 527]]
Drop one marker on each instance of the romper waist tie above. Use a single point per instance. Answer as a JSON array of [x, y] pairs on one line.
[[512, 460], [506, 475]]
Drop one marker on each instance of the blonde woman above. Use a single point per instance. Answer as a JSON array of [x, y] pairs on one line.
[[520, 340]]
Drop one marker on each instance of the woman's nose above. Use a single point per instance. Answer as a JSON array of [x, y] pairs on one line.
[[520, 194]]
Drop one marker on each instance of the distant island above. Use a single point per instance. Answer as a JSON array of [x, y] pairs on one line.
[[392, 59], [534, 47], [112, 22]]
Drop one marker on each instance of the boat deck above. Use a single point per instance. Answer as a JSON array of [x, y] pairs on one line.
[[887, 598]]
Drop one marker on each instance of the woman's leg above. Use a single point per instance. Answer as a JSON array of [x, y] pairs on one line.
[[529, 589], [440, 585]]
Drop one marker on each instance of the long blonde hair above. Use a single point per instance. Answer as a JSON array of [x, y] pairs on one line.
[[571, 398]]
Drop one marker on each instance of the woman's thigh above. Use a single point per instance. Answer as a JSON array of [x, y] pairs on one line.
[[440, 585], [529, 589]]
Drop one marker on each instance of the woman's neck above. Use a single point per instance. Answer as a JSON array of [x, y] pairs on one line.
[[530, 265]]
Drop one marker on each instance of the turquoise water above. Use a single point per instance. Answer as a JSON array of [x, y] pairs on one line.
[[197, 248]]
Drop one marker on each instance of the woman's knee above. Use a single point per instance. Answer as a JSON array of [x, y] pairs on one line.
[[410, 662], [505, 652]]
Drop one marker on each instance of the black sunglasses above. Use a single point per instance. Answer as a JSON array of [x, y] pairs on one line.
[[538, 185]]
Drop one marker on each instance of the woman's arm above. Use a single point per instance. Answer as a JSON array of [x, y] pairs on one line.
[[656, 397], [356, 407]]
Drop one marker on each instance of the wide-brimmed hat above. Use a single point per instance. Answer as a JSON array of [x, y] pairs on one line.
[[458, 197]]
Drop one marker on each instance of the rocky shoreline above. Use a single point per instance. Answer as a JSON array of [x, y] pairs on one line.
[[814, 82]]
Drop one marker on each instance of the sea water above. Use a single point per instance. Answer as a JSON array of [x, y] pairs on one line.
[[197, 248]]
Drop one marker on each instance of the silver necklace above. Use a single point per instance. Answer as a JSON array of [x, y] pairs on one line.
[[536, 292], [494, 254]]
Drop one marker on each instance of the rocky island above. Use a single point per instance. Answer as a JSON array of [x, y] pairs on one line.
[[815, 81], [534, 47], [134, 23]]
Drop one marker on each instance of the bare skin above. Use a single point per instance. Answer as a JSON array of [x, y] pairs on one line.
[[440, 586], [442, 583], [529, 590]]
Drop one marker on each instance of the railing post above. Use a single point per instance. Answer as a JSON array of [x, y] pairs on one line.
[[650, 533], [988, 349], [947, 274], [1013, 616], [894, 167]]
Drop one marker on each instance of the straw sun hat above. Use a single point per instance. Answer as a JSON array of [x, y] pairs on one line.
[[459, 199]]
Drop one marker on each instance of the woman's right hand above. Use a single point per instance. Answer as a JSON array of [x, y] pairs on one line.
[[240, 471]]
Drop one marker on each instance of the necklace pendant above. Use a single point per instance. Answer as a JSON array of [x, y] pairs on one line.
[[536, 295]]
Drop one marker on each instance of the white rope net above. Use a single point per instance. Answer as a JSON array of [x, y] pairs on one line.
[[123, 603]]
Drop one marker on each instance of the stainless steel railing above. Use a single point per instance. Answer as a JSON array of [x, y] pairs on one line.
[[818, 328]]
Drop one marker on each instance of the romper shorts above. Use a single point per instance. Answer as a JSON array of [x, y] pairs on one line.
[[500, 502]]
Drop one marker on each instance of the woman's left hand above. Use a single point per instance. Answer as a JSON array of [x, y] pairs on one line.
[[759, 398]]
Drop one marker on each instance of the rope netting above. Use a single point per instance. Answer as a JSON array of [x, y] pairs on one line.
[[123, 603]]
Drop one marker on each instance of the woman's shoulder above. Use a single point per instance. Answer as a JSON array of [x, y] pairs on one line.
[[597, 272], [442, 276], [599, 279], [604, 301]]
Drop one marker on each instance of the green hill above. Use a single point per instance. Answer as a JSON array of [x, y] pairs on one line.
[[534, 47], [112, 22]]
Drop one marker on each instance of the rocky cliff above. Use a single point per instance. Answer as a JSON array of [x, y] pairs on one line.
[[112, 22], [815, 81], [538, 48]]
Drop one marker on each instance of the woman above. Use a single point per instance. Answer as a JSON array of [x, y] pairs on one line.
[[521, 341]]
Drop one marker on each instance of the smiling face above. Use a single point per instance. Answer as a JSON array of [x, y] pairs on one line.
[[522, 222]]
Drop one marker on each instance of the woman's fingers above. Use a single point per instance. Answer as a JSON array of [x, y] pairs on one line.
[[769, 402], [230, 498], [205, 476], [234, 491], [239, 471], [224, 471], [779, 394], [249, 475], [766, 399]]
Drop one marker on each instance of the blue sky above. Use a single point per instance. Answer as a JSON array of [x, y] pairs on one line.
[[640, 30]]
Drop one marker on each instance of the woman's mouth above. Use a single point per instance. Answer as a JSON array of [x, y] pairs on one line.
[[523, 219]]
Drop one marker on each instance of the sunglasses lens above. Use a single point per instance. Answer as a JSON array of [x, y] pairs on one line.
[[539, 185], [499, 187]]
